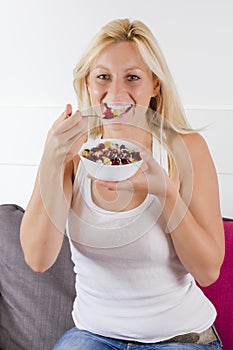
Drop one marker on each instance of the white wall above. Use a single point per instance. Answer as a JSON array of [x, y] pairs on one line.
[[41, 42]]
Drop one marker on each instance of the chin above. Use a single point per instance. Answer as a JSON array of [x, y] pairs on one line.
[[116, 127]]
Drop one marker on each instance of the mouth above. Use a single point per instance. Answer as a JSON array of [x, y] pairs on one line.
[[112, 111]]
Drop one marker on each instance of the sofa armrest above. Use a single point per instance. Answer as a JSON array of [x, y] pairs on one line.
[[220, 292]]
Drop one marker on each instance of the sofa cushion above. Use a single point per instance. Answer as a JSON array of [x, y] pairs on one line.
[[35, 309], [220, 292]]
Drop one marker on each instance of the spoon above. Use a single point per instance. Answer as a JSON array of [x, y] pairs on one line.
[[110, 113]]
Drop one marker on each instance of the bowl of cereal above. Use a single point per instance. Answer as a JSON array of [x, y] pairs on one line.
[[110, 159]]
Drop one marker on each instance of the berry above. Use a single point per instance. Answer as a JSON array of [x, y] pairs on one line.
[[108, 114], [101, 145], [115, 161], [125, 161]]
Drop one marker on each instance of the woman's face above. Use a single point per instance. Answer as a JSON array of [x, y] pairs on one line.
[[119, 77]]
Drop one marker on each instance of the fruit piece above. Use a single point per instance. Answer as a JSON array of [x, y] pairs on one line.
[[106, 161], [116, 112], [101, 145], [116, 161], [125, 161], [108, 114], [85, 152]]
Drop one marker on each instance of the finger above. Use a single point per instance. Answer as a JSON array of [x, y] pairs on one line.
[[74, 129], [68, 123], [124, 185], [73, 119], [111, 185], [149, 163], [76, 141], [65, 114], [68, 110]]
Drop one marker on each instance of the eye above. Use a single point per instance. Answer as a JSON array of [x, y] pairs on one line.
[[133, 77], [103, 76]]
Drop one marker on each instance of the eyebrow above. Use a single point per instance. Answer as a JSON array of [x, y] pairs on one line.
[[133, 68], [126, 70], [99, 67]]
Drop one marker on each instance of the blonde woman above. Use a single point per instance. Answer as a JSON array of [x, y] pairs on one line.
[[138, 245]]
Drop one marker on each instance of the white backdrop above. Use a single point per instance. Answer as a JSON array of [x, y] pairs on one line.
[[41, 42]]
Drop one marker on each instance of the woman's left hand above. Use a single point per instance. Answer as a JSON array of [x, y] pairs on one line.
[[150, 178]]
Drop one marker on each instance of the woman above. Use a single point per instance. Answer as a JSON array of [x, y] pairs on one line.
[[162, 228]]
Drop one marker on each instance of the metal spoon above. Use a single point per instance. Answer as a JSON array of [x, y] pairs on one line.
[[98, 116]]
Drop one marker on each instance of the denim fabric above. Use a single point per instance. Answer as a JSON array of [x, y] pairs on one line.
[[75, 339]]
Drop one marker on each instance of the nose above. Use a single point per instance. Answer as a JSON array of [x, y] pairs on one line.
[[117, 90]]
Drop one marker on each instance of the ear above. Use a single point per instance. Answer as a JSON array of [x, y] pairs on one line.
[[156, 87]]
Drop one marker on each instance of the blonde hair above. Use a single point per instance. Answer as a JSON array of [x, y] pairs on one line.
[[166, 104]]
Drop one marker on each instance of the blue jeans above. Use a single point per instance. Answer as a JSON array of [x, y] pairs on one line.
[[76, 339]]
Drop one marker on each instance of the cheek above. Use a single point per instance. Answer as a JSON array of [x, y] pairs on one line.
[[96, 93], [143, 97]]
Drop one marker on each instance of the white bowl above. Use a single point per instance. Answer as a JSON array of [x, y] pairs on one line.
[[107, 172]]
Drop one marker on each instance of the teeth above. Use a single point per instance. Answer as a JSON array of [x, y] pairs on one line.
[[119, 106]]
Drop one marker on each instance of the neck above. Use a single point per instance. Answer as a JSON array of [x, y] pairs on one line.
[[132, 134]]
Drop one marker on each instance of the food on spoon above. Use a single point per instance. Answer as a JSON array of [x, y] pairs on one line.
[[111, 112], [110, 153]]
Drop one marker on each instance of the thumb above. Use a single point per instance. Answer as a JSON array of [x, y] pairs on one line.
[[68, 111], [147, 157], [65, 115], [149, 163]]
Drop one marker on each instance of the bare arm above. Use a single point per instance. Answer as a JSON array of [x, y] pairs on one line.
[[43, 225], [41, 234], [195, 219]]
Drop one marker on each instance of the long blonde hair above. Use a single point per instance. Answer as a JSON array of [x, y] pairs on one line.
[[166, 104]]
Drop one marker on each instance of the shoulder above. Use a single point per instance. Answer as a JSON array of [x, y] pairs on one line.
[[191, 145], [191, 141], [192, 156], [194, 141], [197, 149], [198, 168]]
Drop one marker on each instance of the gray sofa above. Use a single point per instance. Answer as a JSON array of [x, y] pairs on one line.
[[35, 309]]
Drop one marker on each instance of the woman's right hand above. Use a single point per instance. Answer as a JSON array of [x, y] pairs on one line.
[[65, 137]]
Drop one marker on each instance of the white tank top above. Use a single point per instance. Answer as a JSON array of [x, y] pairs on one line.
[[130, 284]]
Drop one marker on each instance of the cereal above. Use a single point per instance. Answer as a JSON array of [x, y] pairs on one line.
[[110, 153], [114, 111], [110, 114]]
